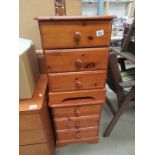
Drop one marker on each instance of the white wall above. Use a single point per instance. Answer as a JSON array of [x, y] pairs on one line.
[[117, 9]]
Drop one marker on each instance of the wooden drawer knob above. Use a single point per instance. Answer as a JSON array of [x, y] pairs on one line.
[[78, 84], [78, 63], [77, 36], [68, 126], [77, 112], [77, 124], [77, 134], [69, 123]]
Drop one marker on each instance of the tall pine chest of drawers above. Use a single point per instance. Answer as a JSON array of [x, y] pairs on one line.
[[76, 57]]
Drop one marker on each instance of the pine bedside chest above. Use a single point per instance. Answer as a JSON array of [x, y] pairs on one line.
[[35, 129], [76, 57]]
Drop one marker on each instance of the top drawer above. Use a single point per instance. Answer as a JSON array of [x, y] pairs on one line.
[[75, 34]]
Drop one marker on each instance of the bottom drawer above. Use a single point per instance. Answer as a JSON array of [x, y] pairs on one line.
[[76, 134], [82, 140], [36, 149]]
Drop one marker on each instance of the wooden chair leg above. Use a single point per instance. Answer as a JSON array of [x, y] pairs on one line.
[[119, 113], [121, 61], [110, 106]]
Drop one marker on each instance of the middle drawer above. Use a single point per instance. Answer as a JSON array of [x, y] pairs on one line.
[[76, 122], [70, 60], [32, 137], [76, 111], [76, 80]]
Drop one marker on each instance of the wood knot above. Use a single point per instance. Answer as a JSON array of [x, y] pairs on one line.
[[90, 37], [90, 65]]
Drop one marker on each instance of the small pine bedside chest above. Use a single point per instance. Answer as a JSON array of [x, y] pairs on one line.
[[35, 129]]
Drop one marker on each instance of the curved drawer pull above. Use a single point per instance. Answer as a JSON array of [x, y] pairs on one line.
[[78, 84], [77, 36], [78, 63]]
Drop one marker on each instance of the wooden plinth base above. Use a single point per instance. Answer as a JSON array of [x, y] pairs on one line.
[[86, 140]]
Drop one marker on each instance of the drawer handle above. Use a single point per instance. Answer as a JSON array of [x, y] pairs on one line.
[[77, 36], [78, 84], [78, 134], [77, 124], [69, 123], [78, 63], [77, 112], [68, 126]]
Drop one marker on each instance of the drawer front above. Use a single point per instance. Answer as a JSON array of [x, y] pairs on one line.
[[32, 137], [77, 111], [30, 122], [76, 80], [76, 122], [76, 59], [92, 140], [65, 135], [61, 97], [36, 149], [75, 34]]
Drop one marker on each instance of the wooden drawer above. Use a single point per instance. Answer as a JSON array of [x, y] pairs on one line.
[[75, 34], [37, 149], [32, 137], [76, 80], [75, 134], [76, 122], [30, 122], [61, 97], [67, 60], [92, 140], [76, 111]]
